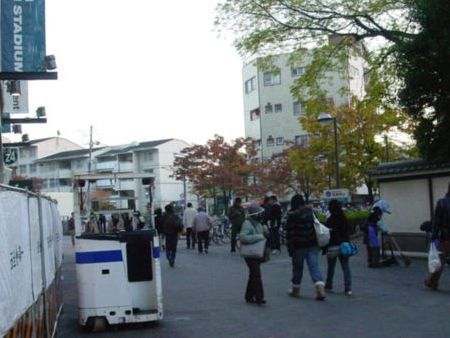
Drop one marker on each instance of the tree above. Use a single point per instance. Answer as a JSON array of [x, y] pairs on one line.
[[216, 168], [425, 70], [409, 42]]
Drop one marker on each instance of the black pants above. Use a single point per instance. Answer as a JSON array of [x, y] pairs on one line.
[[274, 239], [171, 247], [373, 257], [235, 229], [254, 290], [203, 240], [190, 237]]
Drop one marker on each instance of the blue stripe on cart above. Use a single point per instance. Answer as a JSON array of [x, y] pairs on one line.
[[98, 257]]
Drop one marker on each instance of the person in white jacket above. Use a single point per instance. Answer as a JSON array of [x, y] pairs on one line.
[[188, 222]]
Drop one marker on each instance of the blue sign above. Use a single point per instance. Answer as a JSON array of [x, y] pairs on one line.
[[22, 25]]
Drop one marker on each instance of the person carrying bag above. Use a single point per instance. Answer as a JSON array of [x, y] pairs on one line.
[[253, 237]]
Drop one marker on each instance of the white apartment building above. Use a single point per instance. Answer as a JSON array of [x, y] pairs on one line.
[[56, 171], [272, 113]]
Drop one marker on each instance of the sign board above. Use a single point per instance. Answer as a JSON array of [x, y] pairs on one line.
[[342, 195], [22, 27], [10, 155], [16, 104]]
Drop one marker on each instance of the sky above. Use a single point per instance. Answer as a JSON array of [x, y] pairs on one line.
[[138, 70]]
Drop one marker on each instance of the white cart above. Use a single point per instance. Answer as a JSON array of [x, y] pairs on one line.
[[119, 278]]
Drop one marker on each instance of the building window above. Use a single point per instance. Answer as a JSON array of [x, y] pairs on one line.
[[268, 108], [258, 145], [272, 78], [299, 108], [280, 141], [254, 114], [148, 156], [297, 71], [270, 141], [22, 169], [148, 171], [126, 158], [301, 140], [250, 85], [65, 165], [33, 168], [278, 108], [65, 182]]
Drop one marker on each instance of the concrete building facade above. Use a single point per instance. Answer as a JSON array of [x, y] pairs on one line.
[[272, 113]]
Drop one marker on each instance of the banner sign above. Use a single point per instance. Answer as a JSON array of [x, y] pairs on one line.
[[22, 25], [16, 104], [342, 195]]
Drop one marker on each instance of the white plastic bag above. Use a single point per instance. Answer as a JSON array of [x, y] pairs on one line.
[[322, 233], [434, 262]]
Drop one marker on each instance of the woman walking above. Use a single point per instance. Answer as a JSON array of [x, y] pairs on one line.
[[338, 224], [252, 232], [302, 245]]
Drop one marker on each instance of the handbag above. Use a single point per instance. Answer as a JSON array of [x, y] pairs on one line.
[[322, 233], [348, 249], [434, 262], [254, 250]]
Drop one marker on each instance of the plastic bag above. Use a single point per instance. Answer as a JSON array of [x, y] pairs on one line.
[[322, 233], [434, 262]]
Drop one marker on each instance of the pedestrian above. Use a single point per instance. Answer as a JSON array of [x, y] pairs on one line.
[[127, 222], [201, 227], [252, 232], [188, 221], [371, 238], [274, 222], [302, 245], [236, 215], [102, 223], [159, 225], [172, 227], [71, 228], [338, 224], [440, 237]]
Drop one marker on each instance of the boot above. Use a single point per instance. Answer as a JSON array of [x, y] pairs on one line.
[[320, 291], [294, 291]]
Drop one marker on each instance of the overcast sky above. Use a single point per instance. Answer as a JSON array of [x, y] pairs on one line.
[[138, 70]]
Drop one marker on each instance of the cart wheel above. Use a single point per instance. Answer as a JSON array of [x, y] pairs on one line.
[[96, 324]]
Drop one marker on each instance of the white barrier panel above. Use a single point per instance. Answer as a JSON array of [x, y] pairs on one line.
[[35, 239], [15, 260], [49, 252]]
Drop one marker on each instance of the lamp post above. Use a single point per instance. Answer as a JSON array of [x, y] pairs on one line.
[[324, 119]]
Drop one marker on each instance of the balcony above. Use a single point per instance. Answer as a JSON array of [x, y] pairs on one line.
[[124, 167], [104, 183], [106, 166]]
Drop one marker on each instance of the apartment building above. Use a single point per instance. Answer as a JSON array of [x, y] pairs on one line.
[[55, 172], [271, 112]]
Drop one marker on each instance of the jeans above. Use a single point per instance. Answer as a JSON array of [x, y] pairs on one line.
[[254, 289], [171, 247], [190, 237], [203, 239], [345, 268], [311, 255]]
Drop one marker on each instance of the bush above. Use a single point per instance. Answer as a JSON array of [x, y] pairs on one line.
[[354, 219]]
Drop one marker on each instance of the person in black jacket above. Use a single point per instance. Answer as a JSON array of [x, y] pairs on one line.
[[172, 226], [274, 223], [338, 224], [302, 245], [441, 237]]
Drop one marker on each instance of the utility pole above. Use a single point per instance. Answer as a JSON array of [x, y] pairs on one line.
[[88, 192]]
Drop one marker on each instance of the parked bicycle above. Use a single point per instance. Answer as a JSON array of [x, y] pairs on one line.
[[221, 231]]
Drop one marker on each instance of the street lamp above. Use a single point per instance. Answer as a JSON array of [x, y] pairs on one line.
[[324, 119]]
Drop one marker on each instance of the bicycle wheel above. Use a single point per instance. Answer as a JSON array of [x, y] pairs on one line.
[[215, 237]]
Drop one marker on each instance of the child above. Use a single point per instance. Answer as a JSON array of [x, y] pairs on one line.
[[371, 238]]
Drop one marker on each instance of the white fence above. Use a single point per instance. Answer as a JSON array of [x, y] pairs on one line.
[[30, 261]]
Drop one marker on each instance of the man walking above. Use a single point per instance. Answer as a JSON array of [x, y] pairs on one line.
[[188, 222], [172, 226], [202, 225], [236, 215], [441, 237]]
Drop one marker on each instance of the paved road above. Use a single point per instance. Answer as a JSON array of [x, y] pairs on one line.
[[203, 298]]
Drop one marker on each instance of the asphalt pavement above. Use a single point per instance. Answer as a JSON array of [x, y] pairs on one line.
[[204, 298]]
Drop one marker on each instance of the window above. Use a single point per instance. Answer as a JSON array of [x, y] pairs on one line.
[[126, 158], [254, 114], [65, 182], [297, 71], [258, 145], [268, 108], [280, 141], [272, 78], [270, 141], [148, 171], [278, 108], [148, 156], [65, 165], [250, 85], [22, 169], [299, 108], [33, 168], [301, 140]]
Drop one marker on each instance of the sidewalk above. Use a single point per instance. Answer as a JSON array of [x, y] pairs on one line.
[[204, 297]]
